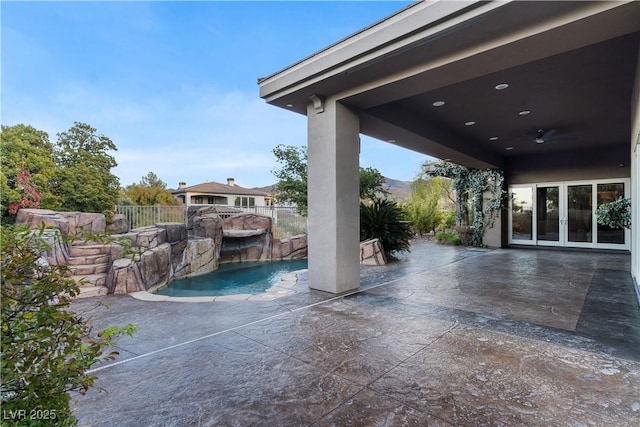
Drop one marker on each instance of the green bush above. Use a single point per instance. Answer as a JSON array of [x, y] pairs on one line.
[[448, 219], [382, 219], [615, 214], [46, 349], [447, 237]]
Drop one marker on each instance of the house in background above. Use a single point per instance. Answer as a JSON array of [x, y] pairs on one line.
[[214, 193]]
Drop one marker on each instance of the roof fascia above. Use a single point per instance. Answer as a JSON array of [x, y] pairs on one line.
[[369, 44]]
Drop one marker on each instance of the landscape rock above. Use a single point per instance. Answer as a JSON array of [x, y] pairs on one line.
[[154, 266], [124, 277], [243, 249], [372, 253], [118, 225], [82, 223], [248, 221], [200, 257], [290, 248], [35, 218]]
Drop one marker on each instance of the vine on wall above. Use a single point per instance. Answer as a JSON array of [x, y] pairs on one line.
[[473, 185]]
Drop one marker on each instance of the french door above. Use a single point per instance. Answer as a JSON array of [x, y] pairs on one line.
[[563, 214]]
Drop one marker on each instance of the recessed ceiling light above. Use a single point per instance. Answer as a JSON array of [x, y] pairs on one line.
[[502, 86], [524, 112], [470, 123], [493, 138], [438, 104], [289, 105], [391, 141], [509, 148]]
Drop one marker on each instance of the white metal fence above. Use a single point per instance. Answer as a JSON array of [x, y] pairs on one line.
[[144, 216], [287, 221]]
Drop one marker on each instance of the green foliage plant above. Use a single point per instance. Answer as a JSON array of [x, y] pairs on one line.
[[26, 170], [382, 219], [293, 176], [616, 214], [371, 184], [149, 192], [46, 348], [448, 237], [83, 180], [73, 174], [473, 184], [424, 207]]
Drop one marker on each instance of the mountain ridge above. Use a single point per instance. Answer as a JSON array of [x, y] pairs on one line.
[[399, 190]]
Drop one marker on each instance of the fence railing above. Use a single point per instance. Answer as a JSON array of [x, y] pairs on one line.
[[287, 221], [144, 216]]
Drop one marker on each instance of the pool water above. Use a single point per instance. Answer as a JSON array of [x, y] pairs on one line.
[[233, 279]]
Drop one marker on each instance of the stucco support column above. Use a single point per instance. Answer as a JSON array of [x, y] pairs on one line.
[[333, 196]]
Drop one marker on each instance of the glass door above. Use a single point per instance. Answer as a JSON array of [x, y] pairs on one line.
[[609, 192], [549, 215], [564, 214], [521, 215], [580, 215]]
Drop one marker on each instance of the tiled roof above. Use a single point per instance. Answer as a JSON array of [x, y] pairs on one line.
[[218, 188]]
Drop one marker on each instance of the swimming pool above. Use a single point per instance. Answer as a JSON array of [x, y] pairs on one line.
[[232, 279]]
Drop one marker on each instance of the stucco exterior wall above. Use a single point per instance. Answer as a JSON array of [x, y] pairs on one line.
[[610, 162]]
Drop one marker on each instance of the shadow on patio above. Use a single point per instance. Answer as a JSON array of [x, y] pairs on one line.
[[444, 336]]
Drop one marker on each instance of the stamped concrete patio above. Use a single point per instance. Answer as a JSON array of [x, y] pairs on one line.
[[445, 336]]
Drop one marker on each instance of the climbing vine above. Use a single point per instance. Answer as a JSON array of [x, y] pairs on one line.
[[473, 185]]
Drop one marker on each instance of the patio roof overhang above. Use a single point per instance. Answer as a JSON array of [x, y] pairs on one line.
[[572, 65]]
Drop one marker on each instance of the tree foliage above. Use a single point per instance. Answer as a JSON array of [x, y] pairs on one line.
[[46, 349], [27, 168], [74, 174], [371, 184], [150, 191], [292, 175], [425, 207], [293, 178], [83, 180]]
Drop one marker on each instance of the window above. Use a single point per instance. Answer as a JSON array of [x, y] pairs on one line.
[[245, 202]]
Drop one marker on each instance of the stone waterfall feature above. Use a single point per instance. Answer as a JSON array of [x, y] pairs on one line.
[[149, 257], [247, 237]]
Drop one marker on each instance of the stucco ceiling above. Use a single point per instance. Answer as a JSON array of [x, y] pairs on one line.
[[572, 65], [582, 98]]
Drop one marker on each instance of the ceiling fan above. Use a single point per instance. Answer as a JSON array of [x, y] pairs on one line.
[[543, 136]]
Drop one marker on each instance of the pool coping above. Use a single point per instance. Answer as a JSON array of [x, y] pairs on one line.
[[281, 289]]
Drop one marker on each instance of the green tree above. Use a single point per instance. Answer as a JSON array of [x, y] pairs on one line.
[[424, 207], [292, 175], [26, 167], [150, 191], [46, 348], [293, 178], [371, 184], [83, 180]]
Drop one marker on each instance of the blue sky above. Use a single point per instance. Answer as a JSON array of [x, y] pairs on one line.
[[174, 84]]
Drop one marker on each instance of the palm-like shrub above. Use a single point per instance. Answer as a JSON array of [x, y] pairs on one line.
[[382, 219]]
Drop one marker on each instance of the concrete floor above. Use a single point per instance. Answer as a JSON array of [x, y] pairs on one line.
[[446, 336]]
